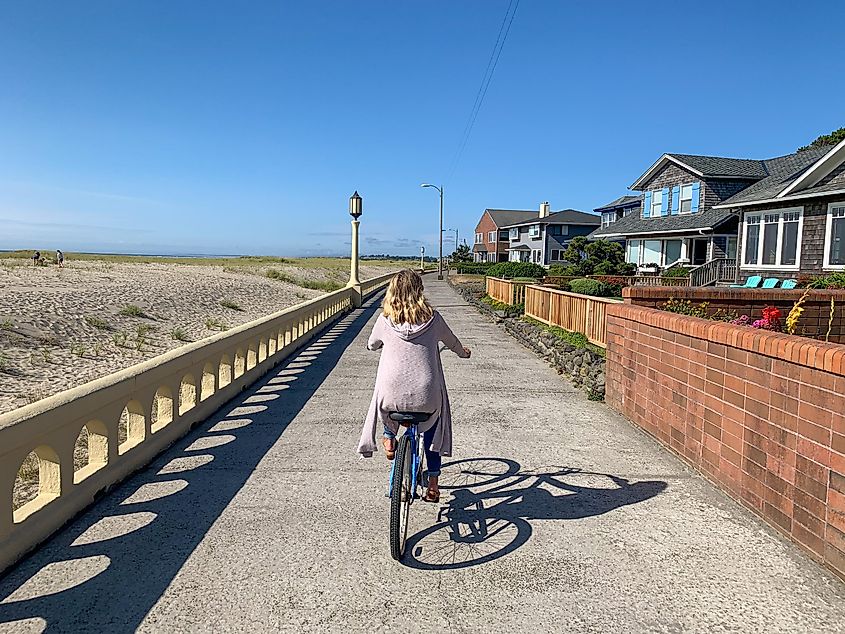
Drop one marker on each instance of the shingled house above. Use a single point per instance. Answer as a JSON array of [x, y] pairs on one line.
[[793, 219], [678, 221]]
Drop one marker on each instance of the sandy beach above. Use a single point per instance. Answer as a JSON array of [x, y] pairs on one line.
[[61, 327]]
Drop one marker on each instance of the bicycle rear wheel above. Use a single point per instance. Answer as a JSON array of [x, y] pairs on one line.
[[400, 498]]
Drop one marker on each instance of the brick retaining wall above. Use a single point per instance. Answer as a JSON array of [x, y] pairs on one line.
[[760, 413], [813, 322]]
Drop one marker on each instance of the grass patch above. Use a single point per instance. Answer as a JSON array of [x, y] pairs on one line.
[[96, 322], [573, 338], [228, 303], [215, 324], [317, 285], [497, 305], [6, 324], [178, 334], [131, 310]]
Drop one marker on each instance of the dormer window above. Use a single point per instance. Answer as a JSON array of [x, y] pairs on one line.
[[686, 198], [656, 203]]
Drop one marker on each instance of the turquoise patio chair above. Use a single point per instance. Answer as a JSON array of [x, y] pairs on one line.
[[751, 282], [789, 284], [770, 282]]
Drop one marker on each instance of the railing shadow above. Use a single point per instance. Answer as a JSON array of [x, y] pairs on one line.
[[109, 566], [493, 503]]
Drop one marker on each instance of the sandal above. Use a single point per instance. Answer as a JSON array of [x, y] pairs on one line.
[[432, 495], [389, 445]]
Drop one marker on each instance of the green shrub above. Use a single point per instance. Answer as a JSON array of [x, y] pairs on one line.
[[584, 286], [832, 281], [676, 271], [564, 270], [516, 269]]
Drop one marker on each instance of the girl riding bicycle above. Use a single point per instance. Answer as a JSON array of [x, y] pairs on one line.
[[410, 375]]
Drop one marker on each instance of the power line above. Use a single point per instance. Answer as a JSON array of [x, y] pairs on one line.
[[501, 38]]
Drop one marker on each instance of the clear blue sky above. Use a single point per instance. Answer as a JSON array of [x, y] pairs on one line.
[[243, 127]]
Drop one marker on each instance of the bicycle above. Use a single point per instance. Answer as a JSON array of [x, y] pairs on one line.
[[405, 477]]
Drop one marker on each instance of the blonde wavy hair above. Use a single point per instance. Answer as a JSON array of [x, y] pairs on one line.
[[404, 301]]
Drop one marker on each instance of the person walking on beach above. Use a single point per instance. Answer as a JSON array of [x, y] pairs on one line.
[[60, 259], [410, 375], [36, 257]]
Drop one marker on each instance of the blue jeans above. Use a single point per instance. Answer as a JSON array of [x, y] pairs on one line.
[[432, 458]]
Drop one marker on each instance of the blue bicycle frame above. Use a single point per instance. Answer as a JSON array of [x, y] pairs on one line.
[[416, 461]]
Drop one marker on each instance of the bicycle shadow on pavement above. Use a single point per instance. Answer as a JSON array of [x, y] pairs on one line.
[[493, 503], [108, 567]]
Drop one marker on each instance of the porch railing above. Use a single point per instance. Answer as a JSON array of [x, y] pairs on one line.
[[717, 270]]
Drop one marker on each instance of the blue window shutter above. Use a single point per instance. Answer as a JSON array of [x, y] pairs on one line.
[[647, 205], [676, 199], [664, 202], [696, 189]]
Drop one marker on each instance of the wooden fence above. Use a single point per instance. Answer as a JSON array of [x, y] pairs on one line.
[[570, 311], [506, 291]]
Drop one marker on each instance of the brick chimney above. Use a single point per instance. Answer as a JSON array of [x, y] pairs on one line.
[[544, 209]]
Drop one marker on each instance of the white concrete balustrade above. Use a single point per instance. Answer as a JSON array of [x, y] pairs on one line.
[[132, 415]]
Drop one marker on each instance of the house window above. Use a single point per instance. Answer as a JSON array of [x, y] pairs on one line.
[[834, 249], [630, 210], [607, 218], [503, 235], [656, 203], [514, 234], [557, 255], [479, 238], [671, 251], [491, 236], [652, 251], [686, 199], [633, 252], [730, 251], [772, 239], [537, 256], [534, 231]]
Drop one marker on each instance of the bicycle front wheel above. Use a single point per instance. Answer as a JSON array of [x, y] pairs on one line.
[[400, 498]]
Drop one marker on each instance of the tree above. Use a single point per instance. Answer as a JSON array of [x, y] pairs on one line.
[[600, 257], [462, 254], [826, 139]]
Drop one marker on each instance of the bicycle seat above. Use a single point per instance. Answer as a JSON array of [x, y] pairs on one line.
[[409, 418]]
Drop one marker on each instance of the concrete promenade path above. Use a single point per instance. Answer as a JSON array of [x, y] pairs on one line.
[[556, 516]]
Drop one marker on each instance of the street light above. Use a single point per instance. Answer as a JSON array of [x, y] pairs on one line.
[[440, 260], [356, 207], [456, 237]]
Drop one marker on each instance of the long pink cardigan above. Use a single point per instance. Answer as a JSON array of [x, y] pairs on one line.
[[410, 379]]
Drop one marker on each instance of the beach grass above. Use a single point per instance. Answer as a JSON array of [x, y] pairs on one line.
[[245, 261]]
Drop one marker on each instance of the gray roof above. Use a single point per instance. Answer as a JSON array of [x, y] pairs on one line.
[[504, 217], [635, 223], [567, 216], [781, 171], [721, 167], [622, 201]]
